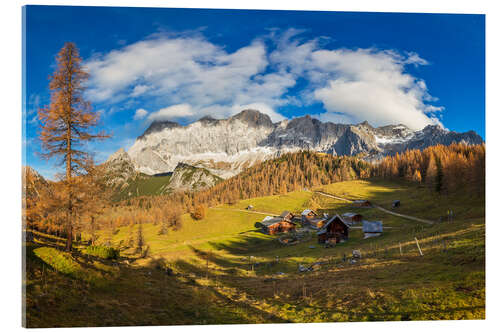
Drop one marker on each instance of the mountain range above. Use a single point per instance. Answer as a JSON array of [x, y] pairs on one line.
[[226, 147], [170, 157]]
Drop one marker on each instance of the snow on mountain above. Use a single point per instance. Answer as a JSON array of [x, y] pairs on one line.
[[226, 147]]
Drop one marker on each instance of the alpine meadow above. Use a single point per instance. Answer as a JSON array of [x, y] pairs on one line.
[[291, 171]]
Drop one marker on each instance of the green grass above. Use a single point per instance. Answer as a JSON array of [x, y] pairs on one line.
[[144, 185], [80, 268], [101, 251], [295, 202], [417, 200], [226, 270]]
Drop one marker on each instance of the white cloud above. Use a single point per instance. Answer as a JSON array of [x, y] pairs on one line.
[[372, 85], [140, 114], [172, 112], [139, 90], [196, 77]]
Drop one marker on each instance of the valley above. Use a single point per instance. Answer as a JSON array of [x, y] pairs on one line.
[[223, 269]]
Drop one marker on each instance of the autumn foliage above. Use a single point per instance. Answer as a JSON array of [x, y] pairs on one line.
[[199, 213], [66, 125], [444, 169]]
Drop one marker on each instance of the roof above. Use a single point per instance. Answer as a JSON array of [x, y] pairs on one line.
[[350, 214], [360, 201], [315, 221], [324, 228], [269, 220], [285, 213], [307, 211], [372, 226]]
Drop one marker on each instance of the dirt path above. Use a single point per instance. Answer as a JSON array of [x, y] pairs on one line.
[[408, 217]]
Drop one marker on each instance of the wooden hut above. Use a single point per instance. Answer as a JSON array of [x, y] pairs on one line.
[[372, 228], [352, 218], [308, 214], [286, 215], [334, 230], [311, 219], [274, 225]]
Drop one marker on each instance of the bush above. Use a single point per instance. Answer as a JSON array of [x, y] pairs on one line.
[[101, 251]]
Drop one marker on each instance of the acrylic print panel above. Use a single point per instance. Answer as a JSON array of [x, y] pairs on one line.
[[197, 166]]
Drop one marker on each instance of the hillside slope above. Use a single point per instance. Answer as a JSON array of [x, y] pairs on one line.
[[226, 271]]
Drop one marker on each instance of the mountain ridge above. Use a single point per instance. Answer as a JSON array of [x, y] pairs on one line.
[[226, 147]]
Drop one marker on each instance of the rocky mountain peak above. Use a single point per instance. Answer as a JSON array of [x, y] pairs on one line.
[[158, 126], [207, 120], [119, 155], [187, 177], [254, 118], [433, 128], [226, 147], [365, 123]]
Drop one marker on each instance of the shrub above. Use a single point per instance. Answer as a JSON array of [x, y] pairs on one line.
[[101, 251]]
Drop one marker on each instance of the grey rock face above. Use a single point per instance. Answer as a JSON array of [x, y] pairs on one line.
[[189, 178], [226, 147], [119, 169]]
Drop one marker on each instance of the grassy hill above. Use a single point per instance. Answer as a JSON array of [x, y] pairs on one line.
[[227, 271], [144, 185]]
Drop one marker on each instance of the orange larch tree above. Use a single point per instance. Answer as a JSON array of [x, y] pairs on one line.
[[66, 125]]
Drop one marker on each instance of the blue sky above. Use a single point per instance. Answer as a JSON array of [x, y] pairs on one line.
[[152, 64]]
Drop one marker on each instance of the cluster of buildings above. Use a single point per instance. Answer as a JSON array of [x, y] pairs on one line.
[[329, 229]]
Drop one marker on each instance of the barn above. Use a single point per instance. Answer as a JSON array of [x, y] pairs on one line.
[[335, 230], [308, 214], [286, 215], [277, 225], [352, 218], [317, 223], [312, 219], [362, 203], [372, 228]]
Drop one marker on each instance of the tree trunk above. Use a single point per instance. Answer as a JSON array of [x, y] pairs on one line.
[[69, 231]]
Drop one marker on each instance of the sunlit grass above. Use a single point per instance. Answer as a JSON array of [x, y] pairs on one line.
[[227, 271]]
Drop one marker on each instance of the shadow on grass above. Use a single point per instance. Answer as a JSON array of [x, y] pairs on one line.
[[138, 295], [342, 282]]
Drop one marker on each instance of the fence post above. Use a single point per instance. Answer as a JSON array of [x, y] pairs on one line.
[[304, 289], [419, 250], [207, 267]]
